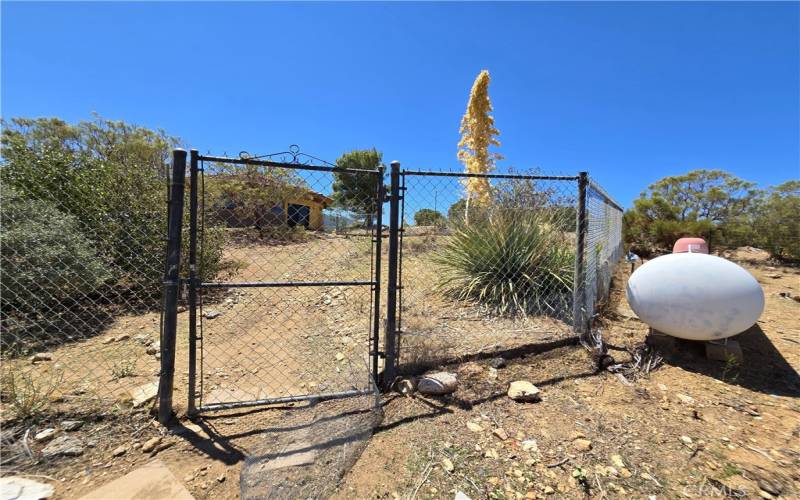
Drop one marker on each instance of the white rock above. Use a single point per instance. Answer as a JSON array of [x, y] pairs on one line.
[[45, 434], [460, 495], [20, 488], [524, 391], [438, 383], [41, 356], [144, 394]]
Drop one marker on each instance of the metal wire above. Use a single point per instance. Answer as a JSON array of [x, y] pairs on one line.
[[501, 274]]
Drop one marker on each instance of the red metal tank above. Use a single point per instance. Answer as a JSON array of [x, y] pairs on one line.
[[690, 245]]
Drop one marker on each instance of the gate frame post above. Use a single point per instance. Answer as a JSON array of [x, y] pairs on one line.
[[376, 326], [192, 299], [171, 286], [580, 323], [390, 341]]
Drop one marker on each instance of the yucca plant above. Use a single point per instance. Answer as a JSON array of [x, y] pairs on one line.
[[515, 262]]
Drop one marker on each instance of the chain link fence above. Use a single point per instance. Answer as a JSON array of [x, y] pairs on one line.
[[603, 248], [499, 263], [80, 295]]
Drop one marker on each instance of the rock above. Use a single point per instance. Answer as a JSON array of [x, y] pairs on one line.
[[339, 356], [211, 314], [549, 490], [63, 446], [497, 362], [582, 445], [683, 398], [154, 348], [45, 434], [491, 453], [120, 338], [617, 461], [151, 444], [108, 340], [447, 464], [491, 374], [530, 445], [472, 426], [41, 357], [686, 440], [221, 478], [500, 433], [405, 387], [771, 487], [71, 425], [438, 383], [119, 451], [624, 472], [460, 495], [143, 339], [523, 391], [14, 487], [144, 394]]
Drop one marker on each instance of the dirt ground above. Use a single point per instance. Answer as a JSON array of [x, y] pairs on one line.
[[691, 428]]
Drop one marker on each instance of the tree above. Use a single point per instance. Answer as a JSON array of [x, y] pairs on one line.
[[712, 195], [357, 192], [711, 204], [778, 222], [478, 133], [429, 217]]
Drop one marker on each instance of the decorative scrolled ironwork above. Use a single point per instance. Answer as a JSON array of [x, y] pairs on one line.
[[292, 156]]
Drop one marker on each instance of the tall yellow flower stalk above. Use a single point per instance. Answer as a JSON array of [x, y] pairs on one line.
[[477, 134]]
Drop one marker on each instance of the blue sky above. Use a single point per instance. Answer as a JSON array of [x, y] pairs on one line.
[[630, 92]]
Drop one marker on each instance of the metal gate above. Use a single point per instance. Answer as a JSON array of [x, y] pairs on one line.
[[297, 316]]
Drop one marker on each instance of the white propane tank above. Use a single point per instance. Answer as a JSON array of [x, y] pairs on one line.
[[695, 296]]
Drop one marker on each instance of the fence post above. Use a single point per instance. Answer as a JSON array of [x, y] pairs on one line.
[[376, 332], [193, 171], [580, 324], [171, 286], [390, 341]]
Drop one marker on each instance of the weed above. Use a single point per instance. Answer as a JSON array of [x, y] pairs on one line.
[[730, 372], [730, 470], [122, 369], [27, 396]]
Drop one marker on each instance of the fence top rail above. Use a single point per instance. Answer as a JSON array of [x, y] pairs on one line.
[[297, 166], [491, 176], [602, 194]]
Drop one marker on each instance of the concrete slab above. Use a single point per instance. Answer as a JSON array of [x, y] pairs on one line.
[[661, 342], [153, 481], [724, 350]]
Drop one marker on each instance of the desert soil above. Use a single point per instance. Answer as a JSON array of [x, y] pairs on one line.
[[692, 427]]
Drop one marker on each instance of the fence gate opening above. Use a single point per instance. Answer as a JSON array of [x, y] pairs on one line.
[[293, 313]]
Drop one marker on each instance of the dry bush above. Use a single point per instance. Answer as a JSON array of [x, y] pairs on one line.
[[27, 396]]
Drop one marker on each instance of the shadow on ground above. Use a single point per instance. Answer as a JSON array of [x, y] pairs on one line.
[[762, 368], [297, 451]]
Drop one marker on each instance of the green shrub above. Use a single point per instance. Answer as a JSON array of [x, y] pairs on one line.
[[111, 177], [512, 263], [45, 257]]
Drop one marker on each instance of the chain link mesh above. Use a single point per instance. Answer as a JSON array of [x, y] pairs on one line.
[[294, 315], [484, 273], [604, 246], [82, 266]]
